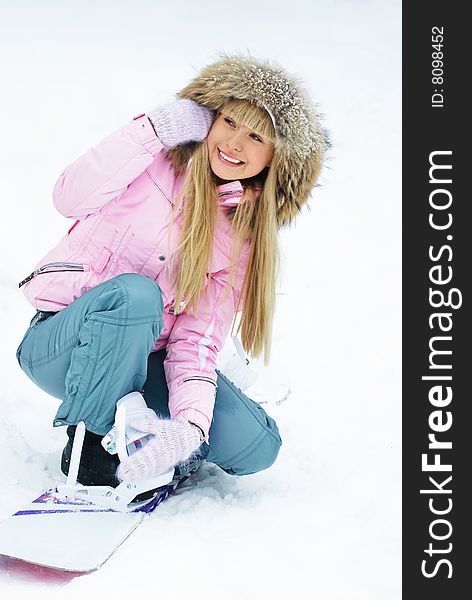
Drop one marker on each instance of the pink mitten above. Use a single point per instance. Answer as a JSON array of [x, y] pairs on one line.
[[172, 441]]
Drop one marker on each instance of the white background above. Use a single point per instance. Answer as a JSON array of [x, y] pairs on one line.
[[325, 521]]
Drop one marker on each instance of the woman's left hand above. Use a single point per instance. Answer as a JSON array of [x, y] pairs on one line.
[[172, 441]]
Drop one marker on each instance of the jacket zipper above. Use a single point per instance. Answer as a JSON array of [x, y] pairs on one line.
[[207, 379], [52, 268]]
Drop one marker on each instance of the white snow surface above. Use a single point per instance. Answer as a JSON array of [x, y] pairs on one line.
[[325, 521]]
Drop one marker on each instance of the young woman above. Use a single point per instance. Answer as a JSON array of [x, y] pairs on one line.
[[175, 227]]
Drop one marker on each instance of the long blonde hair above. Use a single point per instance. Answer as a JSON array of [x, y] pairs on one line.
[[253, 221]]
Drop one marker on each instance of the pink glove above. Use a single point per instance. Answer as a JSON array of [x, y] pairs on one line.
[[180, 122], [172, 442]]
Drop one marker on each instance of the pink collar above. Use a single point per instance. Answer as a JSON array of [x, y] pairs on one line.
[[230, 193]]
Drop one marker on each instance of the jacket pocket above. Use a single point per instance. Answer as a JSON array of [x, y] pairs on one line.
[[113, 258], [54, 267], [56, 285], [102, 261]]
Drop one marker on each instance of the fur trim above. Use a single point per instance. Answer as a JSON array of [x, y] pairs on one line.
[[301, 139]]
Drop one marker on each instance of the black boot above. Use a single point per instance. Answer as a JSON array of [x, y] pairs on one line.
[[97, 466]]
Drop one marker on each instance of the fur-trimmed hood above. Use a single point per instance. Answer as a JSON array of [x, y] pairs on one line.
[[301, 139]]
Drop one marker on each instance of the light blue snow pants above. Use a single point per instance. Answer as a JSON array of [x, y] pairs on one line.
[[99, 348]]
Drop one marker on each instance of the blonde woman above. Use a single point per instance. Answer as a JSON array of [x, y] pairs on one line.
[[174, 237]]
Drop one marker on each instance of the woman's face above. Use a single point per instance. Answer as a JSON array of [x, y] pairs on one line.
[[235, 151]]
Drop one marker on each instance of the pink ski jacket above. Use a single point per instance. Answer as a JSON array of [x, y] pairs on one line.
[[120, 194]]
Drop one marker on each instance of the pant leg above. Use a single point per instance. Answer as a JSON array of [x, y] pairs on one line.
[[243, 438], [95, 351]]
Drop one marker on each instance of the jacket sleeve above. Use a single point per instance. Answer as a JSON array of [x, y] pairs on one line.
[[106, 170], [192, 348]]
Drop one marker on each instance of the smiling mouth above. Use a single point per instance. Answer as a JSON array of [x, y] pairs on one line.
[[227, 160]]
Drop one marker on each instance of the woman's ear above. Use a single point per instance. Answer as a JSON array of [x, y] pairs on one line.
[[272, 155]]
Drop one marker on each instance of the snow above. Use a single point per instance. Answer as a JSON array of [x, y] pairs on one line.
[[325, 520]]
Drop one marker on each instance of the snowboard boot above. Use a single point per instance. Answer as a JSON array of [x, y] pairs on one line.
[[234, 365], [97, 466]]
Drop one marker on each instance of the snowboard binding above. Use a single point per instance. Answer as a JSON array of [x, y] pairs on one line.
[[122, 440]]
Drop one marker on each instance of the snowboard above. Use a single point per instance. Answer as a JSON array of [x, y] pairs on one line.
[[75, 533]]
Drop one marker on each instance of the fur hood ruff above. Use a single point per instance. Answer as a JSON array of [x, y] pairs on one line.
[[301, 142]]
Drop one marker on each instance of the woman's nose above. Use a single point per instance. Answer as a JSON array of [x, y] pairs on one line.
[[236, 140]]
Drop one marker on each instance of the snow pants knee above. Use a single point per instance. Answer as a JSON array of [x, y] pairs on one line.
[[100, 348]]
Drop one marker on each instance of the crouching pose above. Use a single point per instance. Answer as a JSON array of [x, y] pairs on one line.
[[174, 239]]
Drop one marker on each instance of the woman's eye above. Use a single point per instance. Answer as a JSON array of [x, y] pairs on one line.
[[256, 137], [229, 121]]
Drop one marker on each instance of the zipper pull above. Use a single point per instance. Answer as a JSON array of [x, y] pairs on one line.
[[29, 278]]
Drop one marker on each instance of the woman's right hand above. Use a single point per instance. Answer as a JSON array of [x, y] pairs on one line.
[[180, 122]]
